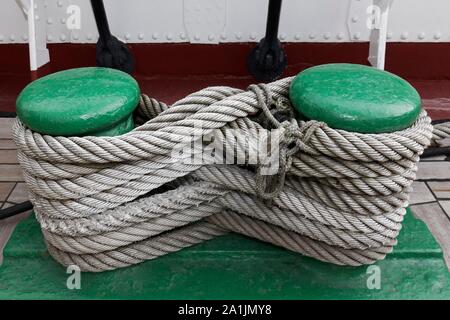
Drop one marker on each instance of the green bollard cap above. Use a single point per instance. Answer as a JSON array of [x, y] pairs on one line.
[[79, 102], [355, 98]]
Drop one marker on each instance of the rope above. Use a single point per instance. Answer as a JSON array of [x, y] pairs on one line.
[[109, 202]]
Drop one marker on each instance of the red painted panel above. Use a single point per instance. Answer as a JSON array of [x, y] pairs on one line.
[[170, 71]]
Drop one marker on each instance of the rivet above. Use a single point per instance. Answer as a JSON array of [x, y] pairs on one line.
[[49, 21], [36, 17], [355, 19], [182, 36], [437, 35], [282, 36], [63, 21], [404, 35], [340, 36], [326, 35], [239, 36], [25, 37], [62, 37], [155, 35], [197, 37], [49, 37], [223, 36], [169, 36], [211, 37], [297, 36], [89, 36], [75, 36], [421, 35], [389, 35], [312, 36], [12, 37], [60, 4], [253, 35], [127, 36], [357, 35], [1, 37], [35, 6], [141, 36]]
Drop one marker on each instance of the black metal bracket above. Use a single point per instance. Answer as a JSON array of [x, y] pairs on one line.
[[111, 53], [267, 60]]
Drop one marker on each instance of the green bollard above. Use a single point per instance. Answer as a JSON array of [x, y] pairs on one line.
[[80, 102], [355, 98]]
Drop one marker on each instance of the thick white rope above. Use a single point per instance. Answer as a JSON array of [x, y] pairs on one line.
[[109, 202]]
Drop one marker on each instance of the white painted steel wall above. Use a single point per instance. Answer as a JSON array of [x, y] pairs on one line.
[[213, 21]]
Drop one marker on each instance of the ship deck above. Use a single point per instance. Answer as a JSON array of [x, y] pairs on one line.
[[430, 201]]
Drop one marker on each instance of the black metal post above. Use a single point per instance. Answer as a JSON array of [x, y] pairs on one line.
[[101, 20], [273, 20], [111, 53], [267, 60]]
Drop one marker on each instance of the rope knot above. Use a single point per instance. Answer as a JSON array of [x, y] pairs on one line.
[[290, 138]]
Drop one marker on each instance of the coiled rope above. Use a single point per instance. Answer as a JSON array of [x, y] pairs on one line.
[[109, 202]]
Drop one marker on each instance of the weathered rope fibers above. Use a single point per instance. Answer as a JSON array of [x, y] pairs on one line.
[[109, 202]]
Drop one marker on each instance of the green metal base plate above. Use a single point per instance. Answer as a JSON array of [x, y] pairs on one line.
[[230, 267]]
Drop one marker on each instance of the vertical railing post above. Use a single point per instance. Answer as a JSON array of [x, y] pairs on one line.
[[267, 60], [111, 52]]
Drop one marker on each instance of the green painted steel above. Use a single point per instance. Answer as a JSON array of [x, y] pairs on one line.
[[230, 266], [77, 102], [355, 98]]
